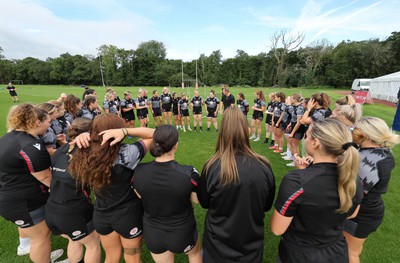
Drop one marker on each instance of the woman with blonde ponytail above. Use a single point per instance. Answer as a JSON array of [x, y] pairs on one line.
[[376, 165], [313, 203]]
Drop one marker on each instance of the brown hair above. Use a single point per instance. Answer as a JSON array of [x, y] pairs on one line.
[[78, 126], [48, 107], [281, 95], [56, 103], [24, 117], [322, 99], [241, 95], [164, 139], [261, 94], [92, 166], [232, 142], [71, 104], [88, 100]]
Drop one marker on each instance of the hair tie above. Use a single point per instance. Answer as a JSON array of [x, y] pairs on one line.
[[352, 128], [347, 145]]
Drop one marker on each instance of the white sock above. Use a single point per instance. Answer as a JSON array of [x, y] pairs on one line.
[[24, 242]]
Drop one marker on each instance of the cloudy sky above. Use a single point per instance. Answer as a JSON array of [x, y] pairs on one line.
[[188, 28]]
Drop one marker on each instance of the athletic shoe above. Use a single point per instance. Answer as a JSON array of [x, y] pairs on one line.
[[252, 137], [22, 251], [189, 129], [278, 150], [287, 158], [273, 147], [208, 129], [256, 139], [290, 164], [265, 141], [284, 153], [56, 254], [184, 130]]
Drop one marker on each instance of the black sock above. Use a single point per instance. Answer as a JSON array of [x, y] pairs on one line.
[[81, 261]]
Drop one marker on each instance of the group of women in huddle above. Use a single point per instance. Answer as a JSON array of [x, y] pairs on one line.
[[324, 210]]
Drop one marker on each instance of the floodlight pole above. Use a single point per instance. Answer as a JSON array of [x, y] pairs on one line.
[[183, 84], [101, 71], [197, 84]]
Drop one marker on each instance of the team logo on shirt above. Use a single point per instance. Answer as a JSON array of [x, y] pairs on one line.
[[76, 233], [37, 146], [19, 222], [188, 248]]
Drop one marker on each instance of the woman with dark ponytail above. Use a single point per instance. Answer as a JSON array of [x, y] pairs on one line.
[[313, 203], [167, 188]]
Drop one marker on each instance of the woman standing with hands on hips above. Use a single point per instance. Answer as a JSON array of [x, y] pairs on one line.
[[313, 203], [166, 189]]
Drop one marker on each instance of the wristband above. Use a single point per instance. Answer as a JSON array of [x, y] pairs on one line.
[[124, 131]]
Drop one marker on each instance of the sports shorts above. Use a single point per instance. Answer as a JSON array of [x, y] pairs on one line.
[[177, 241]]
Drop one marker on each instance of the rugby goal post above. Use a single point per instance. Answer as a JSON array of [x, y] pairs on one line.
[[17, 81]]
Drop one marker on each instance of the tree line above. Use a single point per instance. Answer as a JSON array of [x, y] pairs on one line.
[[285, 65]]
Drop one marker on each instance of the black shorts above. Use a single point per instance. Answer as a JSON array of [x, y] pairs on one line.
[[197, 111], [126, 220], [22, 217], [336, 253], [276, 119], [76, 226], [166, 109], [157, 112], [268, 119], [175, 112], [13, 93], [258, 116], [129, 117], [212, 114], [177, 241], [283, 125], [299, 134], [185, 113], [141, 114], [367, 221]]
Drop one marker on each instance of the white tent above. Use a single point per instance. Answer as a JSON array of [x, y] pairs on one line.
[[385, 87]]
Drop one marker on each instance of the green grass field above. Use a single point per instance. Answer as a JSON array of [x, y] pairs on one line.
[[196, 148]]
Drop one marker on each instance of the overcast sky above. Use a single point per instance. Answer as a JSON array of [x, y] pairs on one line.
[[48, 28]]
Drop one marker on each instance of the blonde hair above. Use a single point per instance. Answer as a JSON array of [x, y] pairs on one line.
[[48, 107], [347, 100], [271, 96], [333, 135], [349, 114], [126, 93], [377, 131], [232, 142], [109, 95], [56, 103]]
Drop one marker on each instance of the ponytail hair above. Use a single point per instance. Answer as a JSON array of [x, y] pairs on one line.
[[164, 139], [349, 114], [78, 126], [336, 140], [376, 130], [322, 99]]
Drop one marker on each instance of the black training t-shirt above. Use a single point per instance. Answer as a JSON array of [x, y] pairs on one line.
[[22, 154], [165, 188], [227, 100], [234, 225], [120, 190], [66, 195], [311, 197]]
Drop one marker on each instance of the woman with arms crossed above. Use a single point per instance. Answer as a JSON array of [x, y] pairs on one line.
[[108, 169], [237, 187], [166, 195], [313, 203]]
